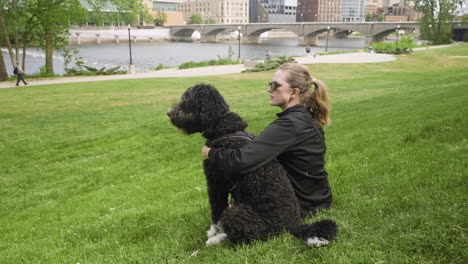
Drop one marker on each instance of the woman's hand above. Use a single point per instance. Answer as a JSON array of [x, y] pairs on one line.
[[205, 150]]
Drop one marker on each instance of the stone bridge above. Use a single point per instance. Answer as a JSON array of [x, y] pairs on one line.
[[307, 33]]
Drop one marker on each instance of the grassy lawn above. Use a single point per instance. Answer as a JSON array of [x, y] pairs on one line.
[[95, 173]]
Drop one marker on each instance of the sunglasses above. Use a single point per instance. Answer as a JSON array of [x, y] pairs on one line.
[[274, 85]]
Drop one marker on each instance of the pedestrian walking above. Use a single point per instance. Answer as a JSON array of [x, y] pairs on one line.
[[268, 54], [19, 73], [308, 50]]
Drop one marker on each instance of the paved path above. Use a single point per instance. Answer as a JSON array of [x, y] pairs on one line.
[[361, 57]]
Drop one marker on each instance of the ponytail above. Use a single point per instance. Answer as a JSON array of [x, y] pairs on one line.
[[319, 103], [313, 92]]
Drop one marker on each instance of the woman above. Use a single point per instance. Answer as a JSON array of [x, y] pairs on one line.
[[296, 138], [20, 73]]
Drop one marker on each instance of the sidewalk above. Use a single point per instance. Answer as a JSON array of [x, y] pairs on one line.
[[210, 70]]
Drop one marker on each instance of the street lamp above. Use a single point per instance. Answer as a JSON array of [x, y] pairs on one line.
[[397, 33], [328, 32], [302, 17], [429, 35], [315, 17], [131, 68], [239, 38]]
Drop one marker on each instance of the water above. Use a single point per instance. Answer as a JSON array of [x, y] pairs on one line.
[[147, 55]]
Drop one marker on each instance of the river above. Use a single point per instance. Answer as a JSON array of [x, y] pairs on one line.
[[147, 55]]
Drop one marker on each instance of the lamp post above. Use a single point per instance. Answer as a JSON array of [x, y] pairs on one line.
[[315, 17], [302, 17], [239, 38], [328, 32], [131, 68], [428, 36], [397, 33]]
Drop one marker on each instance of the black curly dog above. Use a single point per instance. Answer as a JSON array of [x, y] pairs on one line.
[[264, 203]]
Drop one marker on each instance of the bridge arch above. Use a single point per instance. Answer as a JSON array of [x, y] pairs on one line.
[[184, 34], [254, 36], [380, 36]]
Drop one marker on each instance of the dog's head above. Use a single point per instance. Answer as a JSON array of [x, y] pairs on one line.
[[201, 107]]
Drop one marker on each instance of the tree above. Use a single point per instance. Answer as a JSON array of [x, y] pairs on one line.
[[210, 21], [381, 18], [196, 19], [54, 18], [48, 21], [161, 18], [436, 15], [369, 17]]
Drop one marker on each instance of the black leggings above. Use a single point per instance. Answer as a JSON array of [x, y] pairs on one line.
[[20, 78]]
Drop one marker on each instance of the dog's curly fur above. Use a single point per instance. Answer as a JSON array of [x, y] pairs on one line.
[[264, 201]]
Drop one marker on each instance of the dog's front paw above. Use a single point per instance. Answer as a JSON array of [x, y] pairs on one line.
[[218, 238], [214, 230], [317, 242]]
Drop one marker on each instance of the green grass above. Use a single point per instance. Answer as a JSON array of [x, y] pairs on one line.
[[95, 173]]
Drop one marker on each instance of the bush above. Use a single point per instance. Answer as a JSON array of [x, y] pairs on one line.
[[465, 39], [42, 73], [157, 68], [91, 71], [405, 45], [219, 61], [271, 64]]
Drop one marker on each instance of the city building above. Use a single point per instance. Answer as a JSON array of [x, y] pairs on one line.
[[273, 11], [353, 10], [402, 12], [307, 10], [329, 11], [169, 9], [217, 11], [373, 6]]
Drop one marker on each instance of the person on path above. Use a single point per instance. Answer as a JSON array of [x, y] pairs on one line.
[[268, 54], [20, 72], [295, 138], [308, 50]]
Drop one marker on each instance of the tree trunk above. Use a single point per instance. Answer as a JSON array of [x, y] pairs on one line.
[[49, 49], [7, 39], [3, 71], [25, 45], [15, 22]]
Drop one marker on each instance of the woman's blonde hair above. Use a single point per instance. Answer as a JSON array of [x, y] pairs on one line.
[[316, 101]]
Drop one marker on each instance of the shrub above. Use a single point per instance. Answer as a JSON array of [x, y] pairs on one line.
[[219, 61], [271, 64], [405, 45], [157, 68], [91, 71]]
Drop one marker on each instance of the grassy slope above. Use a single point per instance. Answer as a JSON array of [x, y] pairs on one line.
[[95, 173]]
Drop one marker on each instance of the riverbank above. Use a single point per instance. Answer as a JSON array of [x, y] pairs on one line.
[[210, 70], [361, 57]]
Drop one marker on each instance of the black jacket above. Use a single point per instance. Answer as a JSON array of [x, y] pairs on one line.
[[298, 143]]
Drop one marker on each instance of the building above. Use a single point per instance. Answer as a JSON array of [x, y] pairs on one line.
[[402, 12], [372, 6], [353, 10], [169, 9], [307, 10], [272, 11], [217, 11], [329, 11]]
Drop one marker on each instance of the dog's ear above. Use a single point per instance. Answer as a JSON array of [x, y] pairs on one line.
[[211, 103]]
